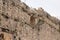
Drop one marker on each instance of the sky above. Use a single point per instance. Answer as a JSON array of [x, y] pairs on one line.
[[51, 6]]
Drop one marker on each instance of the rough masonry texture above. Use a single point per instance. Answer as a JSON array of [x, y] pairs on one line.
[[20, 22]]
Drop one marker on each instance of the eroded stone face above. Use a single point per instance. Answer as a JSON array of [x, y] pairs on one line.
[[16, 22]]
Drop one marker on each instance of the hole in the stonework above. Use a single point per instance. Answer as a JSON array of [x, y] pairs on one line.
[[16, 19], [32, 27], [5, 30], [4, 2], [38, 29], [13, 3], [14, 37], [29, 14], [1, 36], [24, 10], [19, 38], [39, 15], [48, 16], [5, 16]]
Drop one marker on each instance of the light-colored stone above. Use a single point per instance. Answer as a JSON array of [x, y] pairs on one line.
[[20, 22]]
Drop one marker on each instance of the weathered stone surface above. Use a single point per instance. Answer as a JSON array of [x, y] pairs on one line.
[[20, 22]]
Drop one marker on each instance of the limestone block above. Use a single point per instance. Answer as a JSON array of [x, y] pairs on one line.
[[1, 2]]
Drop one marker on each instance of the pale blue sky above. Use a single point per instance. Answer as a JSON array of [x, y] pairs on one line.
[[51, 6]]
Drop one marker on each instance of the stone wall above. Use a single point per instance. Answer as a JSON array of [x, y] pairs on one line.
[[20, 22]]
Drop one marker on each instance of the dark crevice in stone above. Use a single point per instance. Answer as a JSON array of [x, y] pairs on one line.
[[1, 36], [5, 16], [8, 31], [19, 38], [32, 27], [13, 3], [14, 37], [38, 29], [17, 20], [4, 3], [5, 30], [24, 10]]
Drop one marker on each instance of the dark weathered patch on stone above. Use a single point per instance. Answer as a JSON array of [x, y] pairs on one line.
[[5, 30], [1, 36], [40, 22], [13, 3], [17, 20], [5, 16], [19, 38], [24, 10]]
